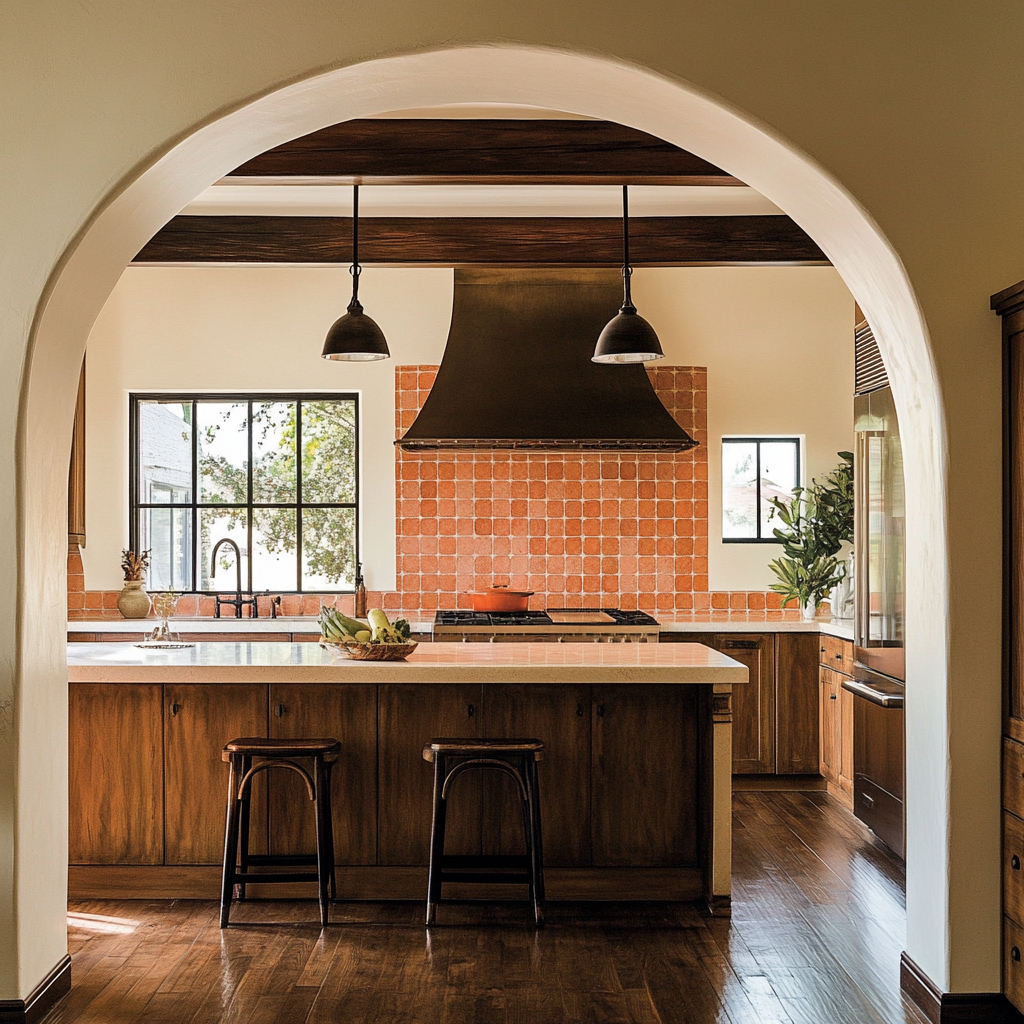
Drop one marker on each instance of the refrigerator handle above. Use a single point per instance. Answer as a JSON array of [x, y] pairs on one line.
[[861, 594]]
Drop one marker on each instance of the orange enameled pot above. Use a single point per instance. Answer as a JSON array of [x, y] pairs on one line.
[[500, 599]]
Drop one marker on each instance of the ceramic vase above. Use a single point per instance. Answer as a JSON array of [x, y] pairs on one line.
[[809, 610], [133, 601]]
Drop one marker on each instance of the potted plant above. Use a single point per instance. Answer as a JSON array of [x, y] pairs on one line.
[[133, 601], [816, 522]]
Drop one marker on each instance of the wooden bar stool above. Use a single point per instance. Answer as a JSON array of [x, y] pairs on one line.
[[518, 758], [247, 757]]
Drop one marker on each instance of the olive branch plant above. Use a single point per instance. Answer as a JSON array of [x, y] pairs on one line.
[[816, 522]]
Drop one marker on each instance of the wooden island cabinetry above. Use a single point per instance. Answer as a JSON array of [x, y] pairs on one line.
[[626, 784]]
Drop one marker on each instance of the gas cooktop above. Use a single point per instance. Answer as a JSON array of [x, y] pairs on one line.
[[579, 617]]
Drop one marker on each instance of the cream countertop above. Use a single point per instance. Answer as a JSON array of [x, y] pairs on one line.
[[277, 662], [421, 623]]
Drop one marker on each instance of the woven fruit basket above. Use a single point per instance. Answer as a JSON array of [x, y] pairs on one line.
[[369, 652]]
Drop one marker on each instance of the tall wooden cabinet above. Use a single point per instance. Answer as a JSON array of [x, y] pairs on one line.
[[1009, 304], [835, 716]]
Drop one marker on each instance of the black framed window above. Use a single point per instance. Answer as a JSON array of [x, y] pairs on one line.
[[276, 476], [755, 469]]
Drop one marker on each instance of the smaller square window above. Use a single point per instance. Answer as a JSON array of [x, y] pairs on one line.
[[754, 470]]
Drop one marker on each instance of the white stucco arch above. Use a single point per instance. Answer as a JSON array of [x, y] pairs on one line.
[[138, 207]]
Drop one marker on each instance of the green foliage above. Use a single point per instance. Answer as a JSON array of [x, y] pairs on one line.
[[328, 475], [816, 522]]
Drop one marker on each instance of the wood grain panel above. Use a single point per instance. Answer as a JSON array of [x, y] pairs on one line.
[[198, 721], [1013, 867], [453, 241], [1013, 777], [828, 724], [107, 882], [560, 717], [796, 703], [487, 149], [837, 654], [1014, 534], [753, 716], [347, 713], [645, 781], [846, 732], [408, 717], [1013, 963], [115, 774]]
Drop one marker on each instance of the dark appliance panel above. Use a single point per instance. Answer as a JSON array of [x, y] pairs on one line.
[[878, 758]]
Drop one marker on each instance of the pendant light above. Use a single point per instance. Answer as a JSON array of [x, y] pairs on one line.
[[355, 336], [627, 337]]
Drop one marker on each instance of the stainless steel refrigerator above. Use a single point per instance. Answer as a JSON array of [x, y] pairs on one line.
[[878, 684]]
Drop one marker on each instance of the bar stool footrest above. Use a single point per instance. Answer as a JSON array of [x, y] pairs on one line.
[[484, 861], [501, 878], [281, 859], [275, 876]]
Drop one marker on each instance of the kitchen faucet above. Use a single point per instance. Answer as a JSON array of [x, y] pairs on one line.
[[238, 602]]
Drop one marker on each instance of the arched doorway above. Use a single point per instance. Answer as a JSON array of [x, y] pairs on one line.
[[524, 76]]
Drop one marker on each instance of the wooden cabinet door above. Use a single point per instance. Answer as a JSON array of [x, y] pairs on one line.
[[560, 716], [644, 776], [796, 703], [753, 703], [347, 713], [409, 715], [198, 720], [829, 725], [115, 774], [845, 730]]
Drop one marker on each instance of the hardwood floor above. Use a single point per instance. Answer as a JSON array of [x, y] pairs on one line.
[[815, 938]]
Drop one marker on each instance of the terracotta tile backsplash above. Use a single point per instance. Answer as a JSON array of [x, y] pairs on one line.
[[580, 529]]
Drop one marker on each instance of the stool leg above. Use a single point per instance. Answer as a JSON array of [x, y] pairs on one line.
[[533, 839], [230, 842], [437, 826], [244, 825], [329, 804], [322, 816]]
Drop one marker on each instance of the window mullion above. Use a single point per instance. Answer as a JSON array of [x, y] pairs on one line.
[[298, 495]]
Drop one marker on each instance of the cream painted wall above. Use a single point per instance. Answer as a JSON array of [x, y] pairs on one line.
[[251, 329], [886, 130], [777, 343]]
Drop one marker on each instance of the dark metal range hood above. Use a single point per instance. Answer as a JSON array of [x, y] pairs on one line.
[[517, 371]]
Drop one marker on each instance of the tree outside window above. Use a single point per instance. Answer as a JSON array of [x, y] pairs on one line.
[[276, 475]]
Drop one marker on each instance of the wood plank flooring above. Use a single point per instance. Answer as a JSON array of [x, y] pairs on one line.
[[815, 938]]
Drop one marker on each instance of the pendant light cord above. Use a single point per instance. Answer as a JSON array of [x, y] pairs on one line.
[[627, 270], [355, 270]]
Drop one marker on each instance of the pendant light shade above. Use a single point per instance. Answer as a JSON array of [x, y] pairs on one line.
[[355, 336], [627, 337]]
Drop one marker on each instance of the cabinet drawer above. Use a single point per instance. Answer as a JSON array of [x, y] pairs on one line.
[[1013, 965], [1013, 867], [1013, 777], [836, 654]]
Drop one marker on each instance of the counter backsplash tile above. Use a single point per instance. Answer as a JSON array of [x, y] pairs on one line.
[[627, 530]]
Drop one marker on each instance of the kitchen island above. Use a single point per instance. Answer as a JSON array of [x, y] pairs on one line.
[[635, 787]]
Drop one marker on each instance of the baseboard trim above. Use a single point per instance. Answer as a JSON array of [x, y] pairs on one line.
[[777, 783], [109, 881], [953, 1007], [41, 1000]]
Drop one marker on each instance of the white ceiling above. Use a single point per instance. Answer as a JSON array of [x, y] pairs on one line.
[[322, 200]]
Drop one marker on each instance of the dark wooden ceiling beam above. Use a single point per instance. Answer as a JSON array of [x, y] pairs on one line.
[[420, 151], [451, 241]]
